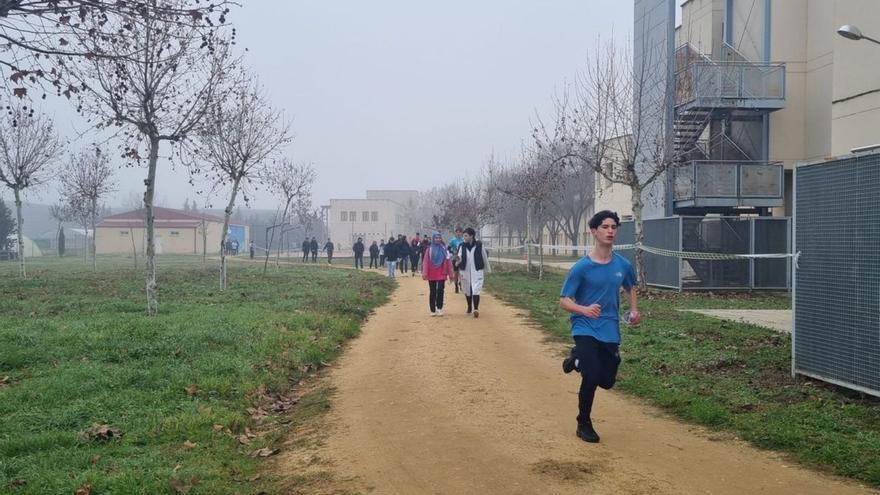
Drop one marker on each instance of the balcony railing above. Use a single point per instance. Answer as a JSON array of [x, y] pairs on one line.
[[728, 183], [709, 84]]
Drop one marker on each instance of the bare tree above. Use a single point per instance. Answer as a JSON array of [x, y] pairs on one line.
[[237, 138], [572, 202], [28, 148], [292, 183], [154, 83], [35, 33], [87, 178], [616, 127]]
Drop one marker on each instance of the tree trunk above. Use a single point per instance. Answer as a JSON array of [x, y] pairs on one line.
[[227, 214], [639, 235], [152, 301], [528, 237], [22, 270], [94, 235], [134, 253], [204, 242]]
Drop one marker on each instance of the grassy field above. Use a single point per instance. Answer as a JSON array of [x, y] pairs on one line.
[[94, 394], [728, 376]]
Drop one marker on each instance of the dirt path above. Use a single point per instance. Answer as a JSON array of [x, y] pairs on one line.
[[453, 405]]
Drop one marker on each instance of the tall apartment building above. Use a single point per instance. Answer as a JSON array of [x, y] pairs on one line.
[[757, 87]]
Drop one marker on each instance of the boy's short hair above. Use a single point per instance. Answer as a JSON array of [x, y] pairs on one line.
[[458, 229], [469, 231], [600, 217]]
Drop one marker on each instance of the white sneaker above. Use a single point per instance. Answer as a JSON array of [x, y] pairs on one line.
[[433, 313], [439, 312]]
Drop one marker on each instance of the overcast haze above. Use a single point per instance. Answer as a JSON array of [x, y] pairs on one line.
[[402, 94]]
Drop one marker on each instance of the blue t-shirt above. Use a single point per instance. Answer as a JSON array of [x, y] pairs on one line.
[[454, 243], [589, 283]]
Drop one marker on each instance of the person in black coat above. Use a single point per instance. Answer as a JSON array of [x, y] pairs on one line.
[[358, 249], [306, 247], [415, 252], [329, 248], [402, 253], [391, 257], [314, 247], [374, 255]]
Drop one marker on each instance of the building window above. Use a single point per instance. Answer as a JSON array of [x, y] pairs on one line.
[[343, 216], [374, 216], [123, 232], [174, 233], [365, 216], [352, 215]]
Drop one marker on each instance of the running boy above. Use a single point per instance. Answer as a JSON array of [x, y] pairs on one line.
[[591, 293]]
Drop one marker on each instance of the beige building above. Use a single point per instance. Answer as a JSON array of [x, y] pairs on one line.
[[176, 232], [832, 84], [380, 215]]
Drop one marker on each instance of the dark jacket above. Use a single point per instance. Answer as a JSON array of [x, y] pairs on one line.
[[374, 251], [358, 248], [415, 248], [328, 247], [403, 249], [314, 246], [391, 251], [478, 256], [306, 246]]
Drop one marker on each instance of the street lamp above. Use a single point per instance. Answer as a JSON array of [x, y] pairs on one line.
[[851, 32]]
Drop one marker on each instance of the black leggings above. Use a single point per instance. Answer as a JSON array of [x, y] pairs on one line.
[[374, 261], [435, 297], [414, 262], [598, 362]]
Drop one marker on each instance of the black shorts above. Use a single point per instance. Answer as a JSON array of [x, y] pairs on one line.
[[598, 361]]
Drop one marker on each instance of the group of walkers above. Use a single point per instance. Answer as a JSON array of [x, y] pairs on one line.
[[311, 247]]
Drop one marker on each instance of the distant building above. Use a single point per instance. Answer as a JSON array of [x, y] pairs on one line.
[[380, 215], [176, 232]]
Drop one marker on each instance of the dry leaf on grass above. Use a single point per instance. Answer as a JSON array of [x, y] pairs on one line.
[[192, 390], [189, 445], [218, 427], [243, 439], [184, 486], [85, 489], [100, 433], [264, 452], [94, 460], [5, 380]]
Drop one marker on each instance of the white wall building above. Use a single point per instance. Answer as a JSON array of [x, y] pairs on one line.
[[380, 215]]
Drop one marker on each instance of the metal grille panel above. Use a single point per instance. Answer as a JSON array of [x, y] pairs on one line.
[[837, 284]]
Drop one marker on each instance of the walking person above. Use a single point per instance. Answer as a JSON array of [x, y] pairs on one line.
[[252, 249], [472, 266], [358, 249], [436, 269], [306, 247], [415, 251], [591, 293], [382, 253], [402, 253], [329, 248], [374, 255], [453, 249], [391, 257], [313, 246]]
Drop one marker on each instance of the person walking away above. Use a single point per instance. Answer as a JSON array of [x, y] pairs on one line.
[[329, 248], [314, 247], [453, 250], [252, 249], [591, 293], [436, 269], [391, 257], [382, 253], [306, 247], [402, 253], [374, 255], [415, 250], [472, 266], [358, 249]]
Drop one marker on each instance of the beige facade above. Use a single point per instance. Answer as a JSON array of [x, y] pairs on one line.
[[381, 215], [832, 84], [175, 231]]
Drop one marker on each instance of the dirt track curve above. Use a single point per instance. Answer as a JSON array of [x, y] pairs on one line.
[[454, 405]]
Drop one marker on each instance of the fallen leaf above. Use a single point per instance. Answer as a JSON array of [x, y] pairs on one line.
[[192, 390], [254, 478], [94, 460], [264, 452], [189, 445], [243, 439], [184, 486], [100, 432], [85, 489], [4, 381], [218, 427]]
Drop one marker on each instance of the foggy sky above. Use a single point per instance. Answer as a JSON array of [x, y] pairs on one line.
[[394, 94]]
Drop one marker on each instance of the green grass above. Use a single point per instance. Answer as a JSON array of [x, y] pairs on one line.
[[79, 350], [725, 375]]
